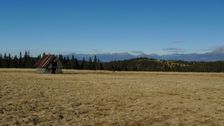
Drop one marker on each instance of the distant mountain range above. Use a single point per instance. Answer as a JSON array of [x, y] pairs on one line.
[[106, 57]]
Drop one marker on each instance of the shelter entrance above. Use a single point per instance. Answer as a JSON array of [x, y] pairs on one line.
[[54, 67]]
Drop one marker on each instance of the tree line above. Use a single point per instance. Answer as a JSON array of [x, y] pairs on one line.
[[84, 64], [27, 61], [21, 61], [93, 63]]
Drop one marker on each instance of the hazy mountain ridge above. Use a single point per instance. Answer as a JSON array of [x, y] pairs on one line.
[[106, 57]]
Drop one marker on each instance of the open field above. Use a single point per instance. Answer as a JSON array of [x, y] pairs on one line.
[[111, 98]]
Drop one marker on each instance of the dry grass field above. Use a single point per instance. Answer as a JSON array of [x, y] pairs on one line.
[[86, 98]]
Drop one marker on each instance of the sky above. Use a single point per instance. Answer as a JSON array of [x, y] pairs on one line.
[[102, 26]]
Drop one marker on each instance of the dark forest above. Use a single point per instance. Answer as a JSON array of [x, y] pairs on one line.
[[93, 63]]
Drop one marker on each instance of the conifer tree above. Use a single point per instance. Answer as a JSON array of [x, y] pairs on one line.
[[1, 60], [15, 62], [72, 63], [83, 63], [101, 66], [90, 64], [76, 62], [20, 60]]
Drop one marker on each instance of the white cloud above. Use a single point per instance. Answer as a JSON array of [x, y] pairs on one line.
[[219, 49], [174, 50], [177, 42]]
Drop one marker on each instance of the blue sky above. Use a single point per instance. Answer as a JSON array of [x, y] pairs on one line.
[[98, 26]]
